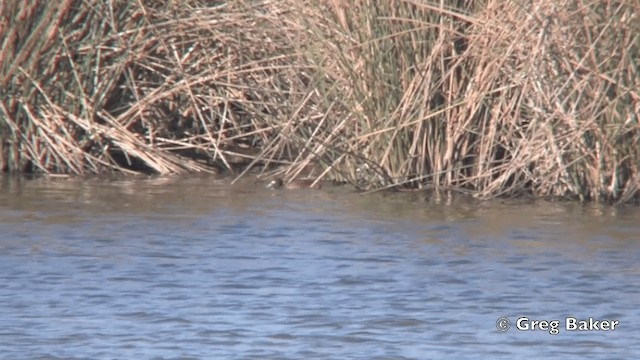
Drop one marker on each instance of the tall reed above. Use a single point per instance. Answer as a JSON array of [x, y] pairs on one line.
[[497, 98]]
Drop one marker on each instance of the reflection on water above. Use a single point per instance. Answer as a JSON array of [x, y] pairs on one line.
[[198, 268]]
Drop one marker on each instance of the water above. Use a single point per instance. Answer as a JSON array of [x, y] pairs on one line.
[[199, 269]]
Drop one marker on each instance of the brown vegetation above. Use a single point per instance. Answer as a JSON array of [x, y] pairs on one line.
[[498, 98]]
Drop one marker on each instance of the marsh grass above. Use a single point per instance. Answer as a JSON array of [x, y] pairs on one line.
[[494, 98], [498, 98]]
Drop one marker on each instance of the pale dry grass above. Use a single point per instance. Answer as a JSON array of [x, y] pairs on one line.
[[495, 98], [503, 99]]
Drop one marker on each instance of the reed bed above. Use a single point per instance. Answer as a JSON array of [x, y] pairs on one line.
[[494, 98]]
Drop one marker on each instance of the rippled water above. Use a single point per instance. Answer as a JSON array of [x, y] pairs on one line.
[[196, 268]]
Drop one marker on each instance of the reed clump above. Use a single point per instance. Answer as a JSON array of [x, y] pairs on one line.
[[150, 86], [496, 98]]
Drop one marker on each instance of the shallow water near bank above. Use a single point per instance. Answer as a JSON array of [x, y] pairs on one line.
[[198, 268]]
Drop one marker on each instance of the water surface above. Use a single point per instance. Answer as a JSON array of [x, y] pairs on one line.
[[168, 268]]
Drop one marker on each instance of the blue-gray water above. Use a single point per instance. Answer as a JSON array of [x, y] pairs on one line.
[[200, 269]]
